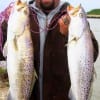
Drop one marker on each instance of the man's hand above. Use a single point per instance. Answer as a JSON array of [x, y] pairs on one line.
[[63, 24]]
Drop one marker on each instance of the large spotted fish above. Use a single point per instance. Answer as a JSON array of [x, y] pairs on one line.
[[80, 54], [20, 58]]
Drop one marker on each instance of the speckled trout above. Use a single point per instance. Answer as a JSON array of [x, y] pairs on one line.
[[80, 54], [20, 53]]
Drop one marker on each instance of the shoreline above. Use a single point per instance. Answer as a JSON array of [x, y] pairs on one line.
[[93, 16]]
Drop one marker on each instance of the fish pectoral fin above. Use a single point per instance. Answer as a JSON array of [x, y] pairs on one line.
[[35, 74], [35, 77], [94, 75], [73, 39], [5, 50], [15, 44]]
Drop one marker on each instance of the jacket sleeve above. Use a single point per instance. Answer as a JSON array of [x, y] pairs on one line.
[[4, 16], [95, 46]]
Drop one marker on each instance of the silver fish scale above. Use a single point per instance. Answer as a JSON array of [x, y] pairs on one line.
[[86, 77], [27, 69]]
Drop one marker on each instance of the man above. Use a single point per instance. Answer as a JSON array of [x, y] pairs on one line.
[[49, 28]]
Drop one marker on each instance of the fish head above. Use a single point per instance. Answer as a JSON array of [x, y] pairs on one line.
[[76, 12], [19, 18], [21, 9], [78, 22]]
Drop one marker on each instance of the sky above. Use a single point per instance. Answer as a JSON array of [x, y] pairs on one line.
[[87, 4]]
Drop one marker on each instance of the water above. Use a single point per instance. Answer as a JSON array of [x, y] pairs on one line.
[[95, 27]]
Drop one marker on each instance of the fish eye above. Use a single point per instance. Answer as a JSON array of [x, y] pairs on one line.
[[81, 15]]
